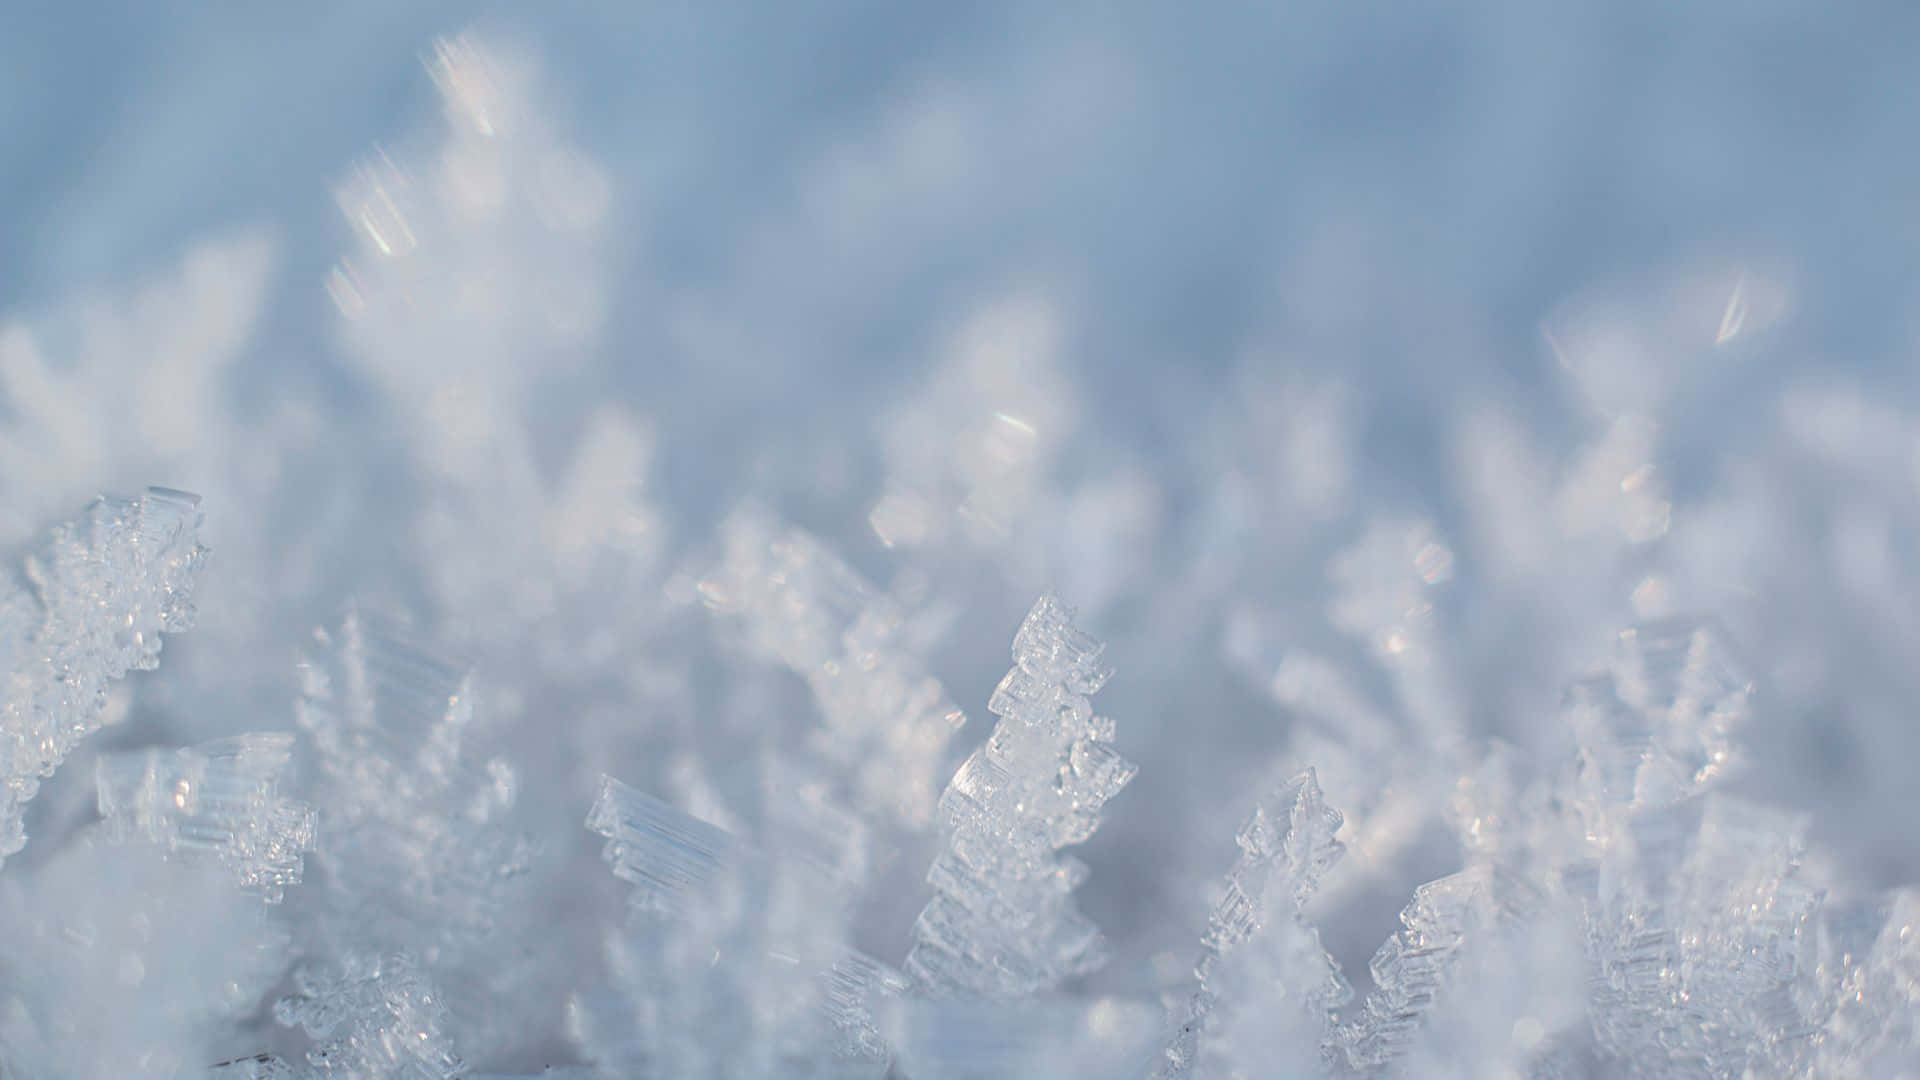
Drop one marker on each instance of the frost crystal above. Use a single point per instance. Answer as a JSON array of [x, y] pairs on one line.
[[413, 832], [104, 588], [372, 1017], [1413, 969], [887, 722], [1875, 1028], [218, 801], [1285, 846], [728, 937], [1003, 922]]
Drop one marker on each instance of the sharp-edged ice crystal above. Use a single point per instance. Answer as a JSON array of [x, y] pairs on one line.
[[372, 1016], [1286, 844], [1003, 922], [218, 801], [1413, 968], [886, 721], [104, 588]]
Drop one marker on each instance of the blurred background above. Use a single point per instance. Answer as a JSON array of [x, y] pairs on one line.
[[1358, 371]]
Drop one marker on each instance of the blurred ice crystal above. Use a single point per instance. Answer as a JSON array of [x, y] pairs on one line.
[[1003, 409], [886, 721], [103, 589], [136, 964], [217, 801], [414, 833], [726, 936], [1003, 921], [111, 391]]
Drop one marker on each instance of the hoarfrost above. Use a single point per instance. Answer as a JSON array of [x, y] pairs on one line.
[[103, 590]]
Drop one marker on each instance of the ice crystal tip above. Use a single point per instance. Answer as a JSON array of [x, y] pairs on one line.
[[218, 801], [1002, 922], [665, 853], [1048, 646]]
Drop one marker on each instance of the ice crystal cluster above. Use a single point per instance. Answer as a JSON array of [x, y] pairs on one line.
[[591, 656]]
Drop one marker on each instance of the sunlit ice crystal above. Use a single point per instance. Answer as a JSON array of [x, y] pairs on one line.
[[1002, 921], [1286, 844], [370, 1016], [219, 801], [101, 592], [730, 937]]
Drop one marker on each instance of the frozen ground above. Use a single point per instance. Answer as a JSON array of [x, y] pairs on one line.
[[1505, 412]]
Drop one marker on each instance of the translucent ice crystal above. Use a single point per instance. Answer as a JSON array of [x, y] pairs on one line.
[[1698, 951], [1413, 969], [1286, 844], [103, 589], [1002, 921], [218, 801], [887, 722], [666, 855], [372, 1017]]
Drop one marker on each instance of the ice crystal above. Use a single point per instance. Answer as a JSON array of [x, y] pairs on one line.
[[219, 801], [1289, 987], [1003, 921], [1412, 970], [887, 722], [414, 833], [103, 590], [372, 1017], [727, 936]]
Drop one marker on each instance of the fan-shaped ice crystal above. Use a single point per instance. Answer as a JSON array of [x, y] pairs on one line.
[[218, 801], [103, 589], [1003, 921]]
